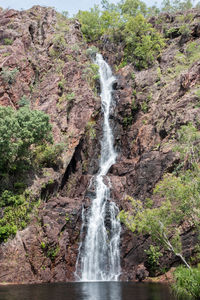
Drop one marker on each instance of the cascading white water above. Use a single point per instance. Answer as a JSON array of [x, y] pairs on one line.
[[99, 256]]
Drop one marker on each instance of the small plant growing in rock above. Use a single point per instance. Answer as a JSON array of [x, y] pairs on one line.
[[8, 41], [8, 75], [91, 73], [70, 96], [92, 51], [144, 107], [52, 252], [43, 245], [24, 101], [91, 131], [185, 30], [67, 218]]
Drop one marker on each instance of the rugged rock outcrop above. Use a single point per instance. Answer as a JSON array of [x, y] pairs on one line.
[[54, 73]]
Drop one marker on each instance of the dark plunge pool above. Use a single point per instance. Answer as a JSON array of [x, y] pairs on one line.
[[87, 291]]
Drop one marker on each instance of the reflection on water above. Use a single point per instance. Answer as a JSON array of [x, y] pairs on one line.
[[87, 291], [101, 290]]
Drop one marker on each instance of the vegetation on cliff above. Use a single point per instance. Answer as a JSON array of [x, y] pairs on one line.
[[21, 131], [124, 23], [180, 206]]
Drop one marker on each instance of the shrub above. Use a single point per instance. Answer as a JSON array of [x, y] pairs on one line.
[[8, 41], [90, 24], [133, 7], [24, 101], [8, 198], [126, 25], [8, 75], [187, 282], [143, 43], [15, 215], [48, 155], [91, 73], [188, 140], [153, 255], [92, 51], [185, 30], [181, 200], [90, 129], [19, 130]]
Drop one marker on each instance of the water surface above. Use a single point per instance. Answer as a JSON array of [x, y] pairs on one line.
[[87, 291]]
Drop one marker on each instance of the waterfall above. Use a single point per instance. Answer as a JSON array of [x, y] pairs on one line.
[[99, 256]]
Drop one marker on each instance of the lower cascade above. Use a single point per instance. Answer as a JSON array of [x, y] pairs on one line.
[[99, 255]]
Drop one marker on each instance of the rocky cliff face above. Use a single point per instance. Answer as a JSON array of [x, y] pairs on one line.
[[55, 74]]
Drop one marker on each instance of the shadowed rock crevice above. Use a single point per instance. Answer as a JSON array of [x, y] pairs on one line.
[[71, 168]]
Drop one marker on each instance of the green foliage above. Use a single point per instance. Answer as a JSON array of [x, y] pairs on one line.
[[90, 129], [15, 214], [90, 23], [144, 107], [8, 198], [59, 42], [181, 200], [70, 96], [67, 218], [59, 45], [143, 42], [133, 7], [46, 155], [61, 84], [43, 245], [176, 5], [19, 130], [8, 41], [24, 101], [62, 22], [193, 52], [187, 282], [153, 255], [183, 61], [8, 75], [124, 24], [65, 13], [197, 93], [183, 193], [185, 30], [188, 141], [92, 51], [52, 251], [91, 74], [127, 121]]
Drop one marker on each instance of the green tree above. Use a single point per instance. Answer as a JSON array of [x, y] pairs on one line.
[[158, 222], [90, 23], [176, 5], [133, 7], [180, 196], [143, 42], [19, 130]]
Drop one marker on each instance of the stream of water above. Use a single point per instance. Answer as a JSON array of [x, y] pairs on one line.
[[99, 256]]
